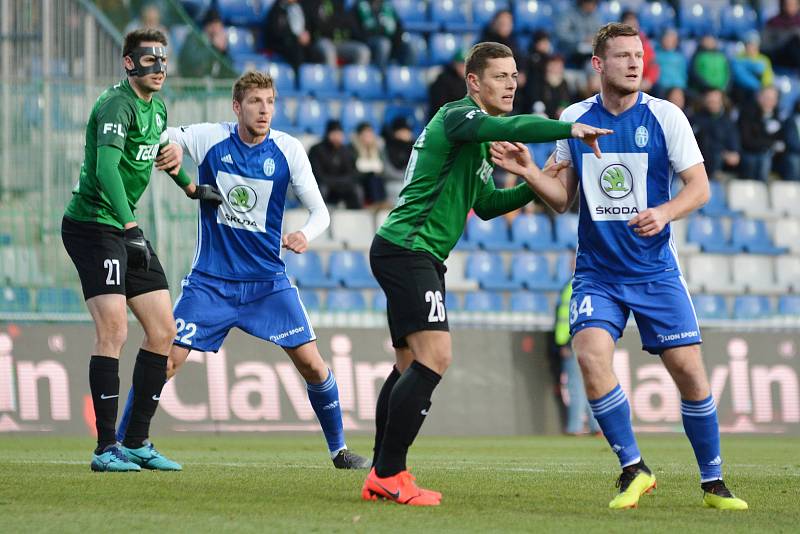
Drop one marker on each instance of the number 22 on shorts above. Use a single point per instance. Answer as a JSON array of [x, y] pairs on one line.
[[585, 308]]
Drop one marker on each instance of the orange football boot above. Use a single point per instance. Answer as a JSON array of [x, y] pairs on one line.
[[399, 488]]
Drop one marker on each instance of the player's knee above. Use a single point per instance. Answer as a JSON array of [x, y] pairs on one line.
[[161, 335], [112, 334], [590, 361]]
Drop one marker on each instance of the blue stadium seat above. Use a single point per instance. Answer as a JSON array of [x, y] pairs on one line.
[[489, 235], [709, 234], [415, 115], [355, 112], [541, 151], [710, 306], [307, 271], [242, 12], [196, 9], [533, 231], [313, 117], [240, 41], [177, 36], [15, 300], [284, 78], [610, 11], [464, 243], [533, 272], [59, 300], [789, 87], [565, 268], [414, 15], [443, 47], [420, 46], [345, 300], [751, 235], [254, 61], [351, 269], [454, 15], [483, 301], [281, 120], [789, 305], [452, 302], [321, 81], [567, 230], [698, 18], [736, 20], [529, 302], [379, 300], [363, 81], [717, 205], [751, 307], [531, 15], [487, 269], [483, 11], [655, 17], [310, 299], [406, 83]]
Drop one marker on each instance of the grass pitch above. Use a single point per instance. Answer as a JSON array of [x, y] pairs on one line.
[[288, 484]]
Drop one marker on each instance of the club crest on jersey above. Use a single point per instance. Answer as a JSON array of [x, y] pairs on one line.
[[269, 166], [159, 123], [641, 136], [242, 198], [616, 181]]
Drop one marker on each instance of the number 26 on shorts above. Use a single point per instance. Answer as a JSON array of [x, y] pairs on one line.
[[585, 308]]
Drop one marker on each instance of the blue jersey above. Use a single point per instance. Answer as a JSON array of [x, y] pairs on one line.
[[651, 142], [241, 239]]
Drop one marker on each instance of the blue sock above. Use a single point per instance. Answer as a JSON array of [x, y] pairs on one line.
[[126, 417], [613, 413], [324, 399], [702, 429]]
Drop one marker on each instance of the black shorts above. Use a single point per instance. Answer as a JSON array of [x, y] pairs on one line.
[[98, 252], [413, 282]]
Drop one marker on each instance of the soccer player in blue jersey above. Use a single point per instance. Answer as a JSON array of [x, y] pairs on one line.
[[626, 259], [238, 278]]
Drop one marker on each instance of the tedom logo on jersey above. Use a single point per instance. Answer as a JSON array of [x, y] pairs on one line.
[[616, 181], [242, 198]]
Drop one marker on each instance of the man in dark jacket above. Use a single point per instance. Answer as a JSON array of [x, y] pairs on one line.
[[761, 134], [716, 134], [332, 29], [448, 86], [286, 33], [334, 165]]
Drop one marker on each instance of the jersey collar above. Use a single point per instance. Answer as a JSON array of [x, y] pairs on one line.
[[246, 145], [624, 113]]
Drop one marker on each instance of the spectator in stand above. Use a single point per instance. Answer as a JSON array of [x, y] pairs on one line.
[[716, 135], [501, 30], [380, 28], [782, 35], [751, 69], [206, 54], [149, 17], [398, 142], [677, 96], [671, 62], [332, 29], [541, 48], [286, 32], [575, 29], [590, 85], [709, 68], [334, 165], [369, 164], [449, 86], [651, 70], [552, 95], [791, 131], [761, 135]]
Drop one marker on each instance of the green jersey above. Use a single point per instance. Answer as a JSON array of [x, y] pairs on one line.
[[450, 172], [122, 120]]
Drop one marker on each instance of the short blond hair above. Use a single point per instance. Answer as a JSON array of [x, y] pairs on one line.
[[252, 80], [608, 32]]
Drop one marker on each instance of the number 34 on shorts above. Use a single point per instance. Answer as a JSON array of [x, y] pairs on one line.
[[582, 309]]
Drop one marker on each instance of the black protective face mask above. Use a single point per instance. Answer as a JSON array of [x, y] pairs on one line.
[[159, 65]]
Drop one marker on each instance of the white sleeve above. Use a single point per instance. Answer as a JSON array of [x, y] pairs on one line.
[[682, 148], [304, 185], [571, 114], [197, 139]]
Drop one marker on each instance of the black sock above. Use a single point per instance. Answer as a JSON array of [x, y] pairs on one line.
[[149, 374], [382, 411], [408, 406], [104, 384]]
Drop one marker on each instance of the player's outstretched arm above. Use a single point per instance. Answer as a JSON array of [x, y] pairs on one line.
[[695, 193]]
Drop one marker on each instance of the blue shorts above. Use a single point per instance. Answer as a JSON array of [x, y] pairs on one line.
[[663, 311], [209, 307]]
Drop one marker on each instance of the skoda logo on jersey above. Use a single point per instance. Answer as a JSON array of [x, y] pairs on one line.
[[269, 166], [242, 198], [641, 136], [159, 123], [616, 181]]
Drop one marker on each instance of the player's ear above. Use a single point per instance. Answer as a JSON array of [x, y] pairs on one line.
[[597, 64], [127, 62], [473, 83], [237, 107]]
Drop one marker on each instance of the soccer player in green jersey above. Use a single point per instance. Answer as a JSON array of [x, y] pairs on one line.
[[449, 174], [115, 263]]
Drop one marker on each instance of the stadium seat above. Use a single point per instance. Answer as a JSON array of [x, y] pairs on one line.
[[655, 17], [320, 81], [196, 9], [698, 18], [353, 228], [455, 277], [489, 235], [785, 198], [465, 244], [567, 230], [532, 271], [483, 301], [787, 273], [736, 20], [717, 205], [345, 300], [752, 307], [177, 36], [452, 302], [710, 306], [240, 41], [406, 83], [363, 81], [610, 11], [533, 231], [756, 274], [254, 61], [59, 300], [306, 269], [789, 88], [789, 305], [541, 151], [483, 11], [414, 15], [420, 46], [749, 196], [530, 302], [415, 115], [310, 299], [379, 300], [283, 76], [787, 233], [15, 300], [281, 119], [710, 235], [241, 12], [564, 269], [454, 15], [751, 235], [355, 112], [532, 15], [488, 270], [21, 266], [351, 269], [443, 47], [313, 117], [710, 273]]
